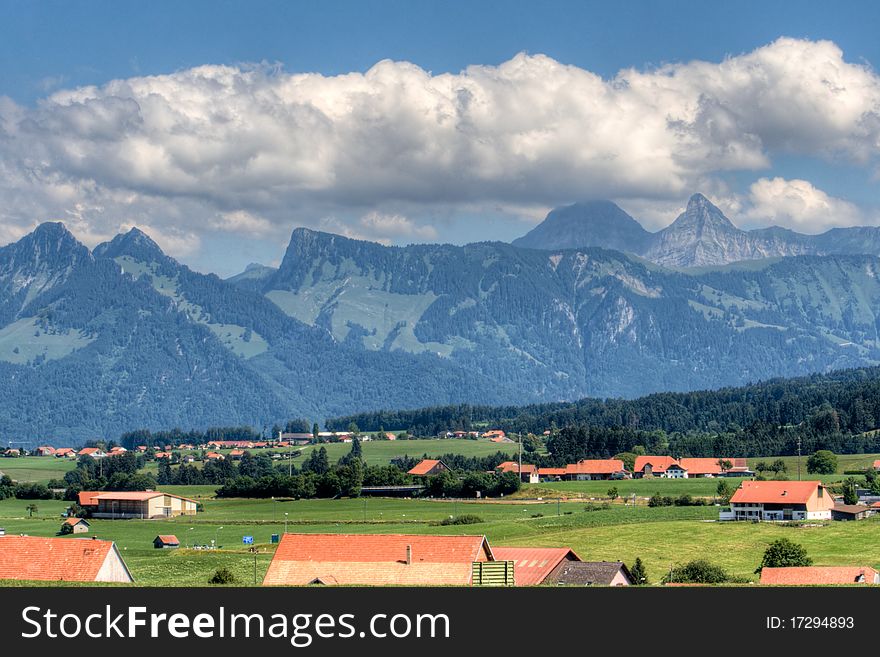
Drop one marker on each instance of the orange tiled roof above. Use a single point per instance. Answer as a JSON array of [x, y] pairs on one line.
[[168, 539], [424, 466], [702, 466], [376, 559], [87, 497], [52, 559], [552, 472], [805, 575], [658, 463], [74, 521], [774, 492], [595, 466], [533, 565], [513, 466], [877, 464]]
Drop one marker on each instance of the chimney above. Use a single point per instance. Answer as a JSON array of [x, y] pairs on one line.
[[408, 555]]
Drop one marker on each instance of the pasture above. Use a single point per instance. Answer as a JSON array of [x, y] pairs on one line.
[[660, 536]]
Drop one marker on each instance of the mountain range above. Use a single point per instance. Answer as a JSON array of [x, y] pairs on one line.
[[700, 236], [94, 343]]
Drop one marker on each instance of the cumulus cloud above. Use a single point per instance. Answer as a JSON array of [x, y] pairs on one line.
[[797, 204], [254, 150]]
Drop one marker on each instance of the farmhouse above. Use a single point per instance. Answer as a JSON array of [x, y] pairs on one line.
[[824, 575], [780, 500], [590, 573], [94, 452], [144, 505], [45, 450], [532, 566], [65, 452], [596, 469], [652, 466], [528, 473], [376, 560], [166, 541], [428, 467], [697, 468], [551, 474], [61, 559], [78, 526]]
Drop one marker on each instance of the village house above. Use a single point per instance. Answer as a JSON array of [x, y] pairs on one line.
[[94, 452], [428, 467], [779, 500], [61, 559], [653, 466], [44, 450], [819, 575], [551, 474], [136, 504], [702, 467], [495, 435], [77, 525], [877, 465], [65, 452], [12, 453], [590, 573], [532, 566], [214, 456], [528, 474], [589, 469], [376, 560]]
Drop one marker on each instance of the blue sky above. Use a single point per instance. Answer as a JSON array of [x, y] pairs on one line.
[[52, 47]]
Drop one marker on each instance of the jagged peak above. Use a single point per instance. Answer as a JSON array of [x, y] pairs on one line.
[[134, 243], [701, 212]]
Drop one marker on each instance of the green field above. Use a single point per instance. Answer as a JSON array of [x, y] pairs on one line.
[[36, 468], [660, 536]]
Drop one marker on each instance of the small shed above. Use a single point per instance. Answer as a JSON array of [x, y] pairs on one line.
[[78, 525], [166, 542], [850, 512]]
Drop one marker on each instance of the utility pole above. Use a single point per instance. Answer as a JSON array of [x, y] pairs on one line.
[[519, 472], [799, 458]]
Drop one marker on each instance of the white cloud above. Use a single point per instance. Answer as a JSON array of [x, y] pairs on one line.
[[797, 204], [255, 150]]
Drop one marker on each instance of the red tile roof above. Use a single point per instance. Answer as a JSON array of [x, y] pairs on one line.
[[513, 466], [775, 492], [74, 521], [595, 466], [136, 496], [702, 466], [52, 559], [376, 559], [877, 464], [87, 497], [168, 539], [424, 466], [658, 463], [805, 575], [533, 565], [552, 472]]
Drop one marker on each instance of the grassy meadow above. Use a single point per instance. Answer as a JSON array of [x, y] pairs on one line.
[[549, 514]]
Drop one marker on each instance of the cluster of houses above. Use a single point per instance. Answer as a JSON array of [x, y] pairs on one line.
[[664, 467]]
